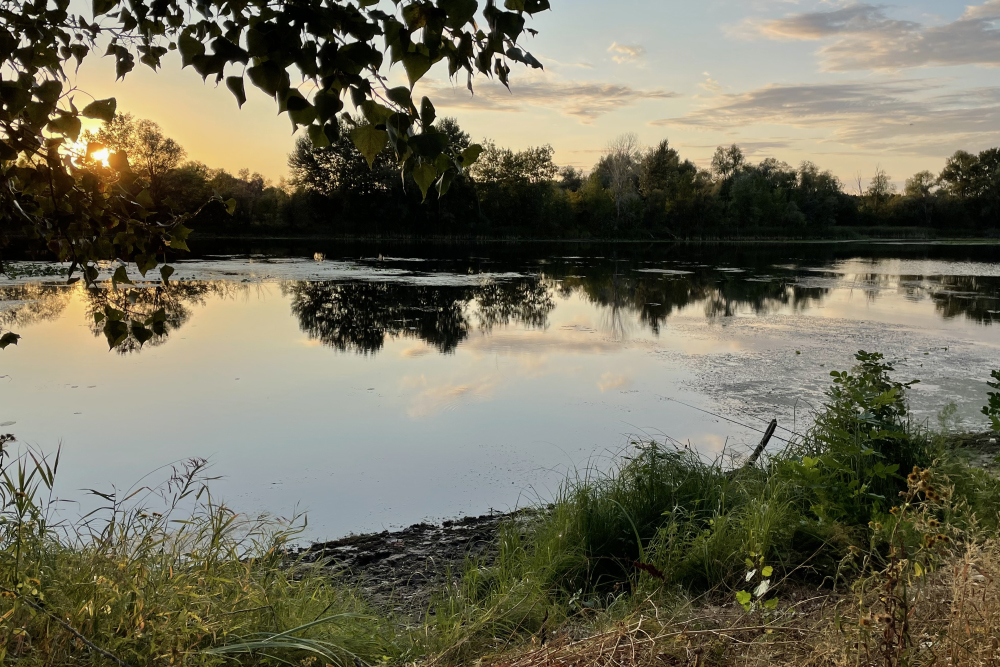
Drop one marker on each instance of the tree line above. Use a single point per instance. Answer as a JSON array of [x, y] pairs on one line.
[[632, 192]]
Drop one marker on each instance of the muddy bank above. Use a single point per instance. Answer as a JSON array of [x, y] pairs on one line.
[[401, 568]]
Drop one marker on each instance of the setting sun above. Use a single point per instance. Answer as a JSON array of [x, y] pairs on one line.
[[101, 156]]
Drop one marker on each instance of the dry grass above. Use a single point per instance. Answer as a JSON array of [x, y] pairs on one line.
[[954, 622]]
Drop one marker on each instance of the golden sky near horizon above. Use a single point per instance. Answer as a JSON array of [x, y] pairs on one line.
[[847, 85]]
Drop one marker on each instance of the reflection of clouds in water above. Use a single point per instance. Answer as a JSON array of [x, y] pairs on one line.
[[528, 342], [411, 352], [432, 399], [611, 381]]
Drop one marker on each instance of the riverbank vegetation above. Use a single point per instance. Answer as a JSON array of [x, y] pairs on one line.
[[632, 192], [866, 536]]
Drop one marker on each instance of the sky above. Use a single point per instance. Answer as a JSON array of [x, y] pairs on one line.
[[850, 86]]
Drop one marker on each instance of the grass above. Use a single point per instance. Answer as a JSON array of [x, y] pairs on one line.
[[823, 552]]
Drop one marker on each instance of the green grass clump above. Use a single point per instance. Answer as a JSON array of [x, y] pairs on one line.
[[194, 583], [668, 521]]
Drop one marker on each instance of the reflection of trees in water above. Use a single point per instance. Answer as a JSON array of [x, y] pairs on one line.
[[23, 305], [26, 304], [359, 316], [141, 302], [977, 298], [760, 296], [653, 297]]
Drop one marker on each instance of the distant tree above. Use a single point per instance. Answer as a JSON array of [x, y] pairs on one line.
[[458, 139], [988, 186], [958, 177], [570, 178], [657, 168], [880, 189], [149, 152], [340, 168], [727, 161], [920, 185], [502, 165], [820, 196], [619, 163]]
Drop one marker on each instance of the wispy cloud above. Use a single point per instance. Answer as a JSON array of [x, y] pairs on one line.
[[915, 116], [626, 53], [710, 84], [864, 37], [583, 100]]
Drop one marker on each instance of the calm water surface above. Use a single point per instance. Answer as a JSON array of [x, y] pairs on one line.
[[443, 380]]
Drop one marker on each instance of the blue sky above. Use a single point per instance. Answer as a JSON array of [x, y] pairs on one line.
[[847, 85]]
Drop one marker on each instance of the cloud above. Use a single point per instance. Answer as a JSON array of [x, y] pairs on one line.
[[584, 100], [710, 84], [625, 53], [916, 116], [865, 38]]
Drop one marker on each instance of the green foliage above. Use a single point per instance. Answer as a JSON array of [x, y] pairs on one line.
[[665, 519], [862, 439], [84, 212], [992, 408], [165, 575]]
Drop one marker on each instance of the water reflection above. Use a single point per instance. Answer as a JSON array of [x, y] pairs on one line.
[[359, 316], [975, 298], [442, 305], [653, 296], [24, 305]]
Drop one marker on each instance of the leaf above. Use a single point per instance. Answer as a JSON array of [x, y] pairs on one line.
[[144, 199], [459, 12], [400, 96], [101, 109], [141, 333], [166, 272], [424, 175], [470, 155], [120, 276], [235, 86], [317, 136], [67, 125], [416, 65], [743, 598], [115, 331], [767, 571], [427, 112], [771, 604], [103, 6], [369, 141], [9, 338], [231, 206], [190, 49], [375, 113], [445, 182], [145, 263]]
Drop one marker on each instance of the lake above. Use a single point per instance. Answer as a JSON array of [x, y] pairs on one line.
[[376, 385]]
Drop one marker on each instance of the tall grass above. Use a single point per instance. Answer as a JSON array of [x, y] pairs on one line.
[[164, 575]]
